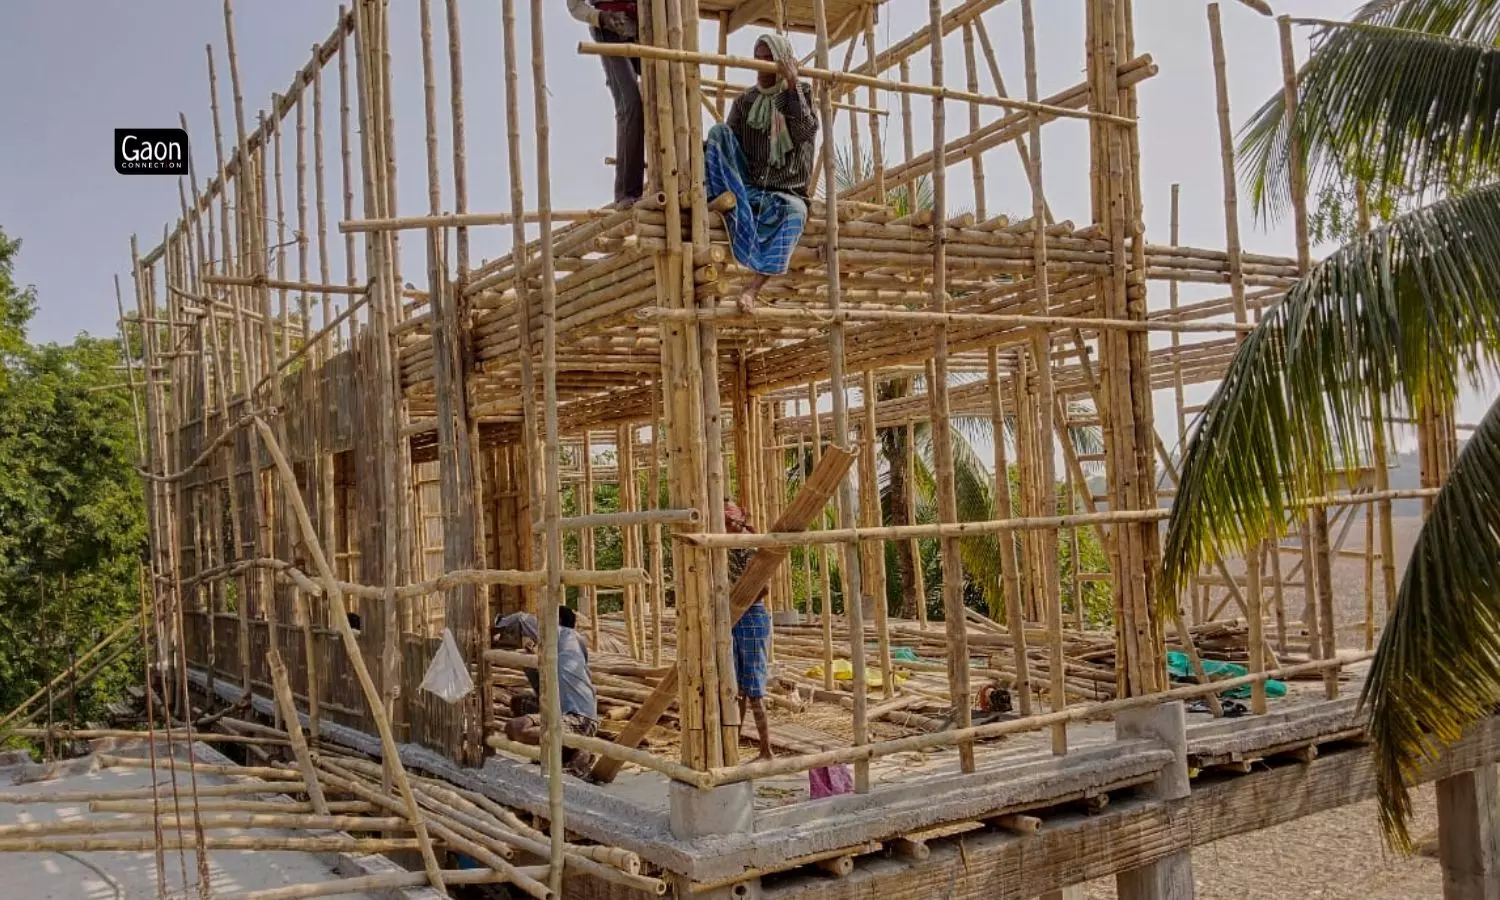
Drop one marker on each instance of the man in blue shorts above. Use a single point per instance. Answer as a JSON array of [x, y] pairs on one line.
[[752, 635]]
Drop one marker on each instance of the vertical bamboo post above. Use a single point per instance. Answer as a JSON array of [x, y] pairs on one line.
[[588, 594], [849, 572], [914, 545], [382, 261], [653, 484], [942, 441], [877, 150], [971, 67], [551, 699], [1255, 595], [824, 574], [1381, 460], [630, 535], [870, 506], [1327, 633], [1042, 351], [345, 159], [525, 320], [1009, 575]]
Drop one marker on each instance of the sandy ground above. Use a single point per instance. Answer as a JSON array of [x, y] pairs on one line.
[[1336, 855]]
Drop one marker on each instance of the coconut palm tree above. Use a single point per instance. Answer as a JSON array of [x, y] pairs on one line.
[[1404, 100], [972, 479]]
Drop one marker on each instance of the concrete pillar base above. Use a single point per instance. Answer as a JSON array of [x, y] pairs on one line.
[[724, 810], [1169, 878], [1469, 835]]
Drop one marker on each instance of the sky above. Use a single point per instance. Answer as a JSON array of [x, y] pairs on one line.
[[71, 71]]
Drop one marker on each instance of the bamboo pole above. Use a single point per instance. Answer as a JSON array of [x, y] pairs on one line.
[[653, 484], [914, 546], [589, 598], [835, 77], [1046, 430], [825, 575], [551, 698], [283, 690], [952, 565], [850, 574], [870, 503], [1255, 596], [976, 164], [1318, 517], [389, 750], [1009, 568]]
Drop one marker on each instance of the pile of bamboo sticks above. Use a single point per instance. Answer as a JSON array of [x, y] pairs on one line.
[[293, 807]]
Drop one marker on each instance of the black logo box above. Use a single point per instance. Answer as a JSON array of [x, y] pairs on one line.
[[151, 151]]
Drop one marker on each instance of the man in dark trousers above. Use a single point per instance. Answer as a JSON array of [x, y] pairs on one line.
[[618, 22]]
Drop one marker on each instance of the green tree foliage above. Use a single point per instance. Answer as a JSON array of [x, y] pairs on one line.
[[72, 517]]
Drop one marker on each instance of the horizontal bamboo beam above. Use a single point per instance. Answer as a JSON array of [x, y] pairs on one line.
[[733, 316], [627, 519], [260, 281], [905, 532], [641, 51], [465, 220]]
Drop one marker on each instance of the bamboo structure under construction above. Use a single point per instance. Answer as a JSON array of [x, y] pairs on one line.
[[350, 467]]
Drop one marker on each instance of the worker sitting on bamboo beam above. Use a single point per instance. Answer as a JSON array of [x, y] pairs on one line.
[[752, 635], [763, 155], [618, 22], [580, 709]]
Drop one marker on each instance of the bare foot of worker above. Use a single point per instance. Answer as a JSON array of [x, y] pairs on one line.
[[746, 302]]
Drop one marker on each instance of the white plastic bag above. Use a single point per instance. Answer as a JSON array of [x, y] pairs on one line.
[[448, 674]]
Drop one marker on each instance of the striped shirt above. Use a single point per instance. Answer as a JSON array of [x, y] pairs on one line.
[[794, 175]]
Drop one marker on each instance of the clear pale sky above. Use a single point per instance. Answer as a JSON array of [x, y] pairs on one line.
[[73, 70]]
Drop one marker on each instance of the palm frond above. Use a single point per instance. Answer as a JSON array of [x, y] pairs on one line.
[[1398, 108], [1398, 315], [1437, 670], [1468, 20]]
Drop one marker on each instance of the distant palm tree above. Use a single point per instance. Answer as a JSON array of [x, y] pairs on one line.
[[1402, 102], [972, 479]]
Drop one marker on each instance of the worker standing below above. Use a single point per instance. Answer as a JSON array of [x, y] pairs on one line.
[[752, 635], [618, 22], [580, 710], [763, 154]]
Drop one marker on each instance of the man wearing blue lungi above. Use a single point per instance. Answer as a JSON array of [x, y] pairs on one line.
[[752, 636], [763, 154]]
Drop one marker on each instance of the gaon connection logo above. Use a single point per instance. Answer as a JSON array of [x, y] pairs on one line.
[[151, 151]]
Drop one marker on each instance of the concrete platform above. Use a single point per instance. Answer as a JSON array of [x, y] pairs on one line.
[[133, 876]]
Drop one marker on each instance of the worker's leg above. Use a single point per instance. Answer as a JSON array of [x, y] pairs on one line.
[[525, 730], [762, 726], [630, 124]]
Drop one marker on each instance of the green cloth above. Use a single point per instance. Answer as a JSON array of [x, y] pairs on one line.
[[1181, 669], [764, 113]]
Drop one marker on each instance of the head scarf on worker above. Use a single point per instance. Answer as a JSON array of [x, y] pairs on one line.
[[764, 114]]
